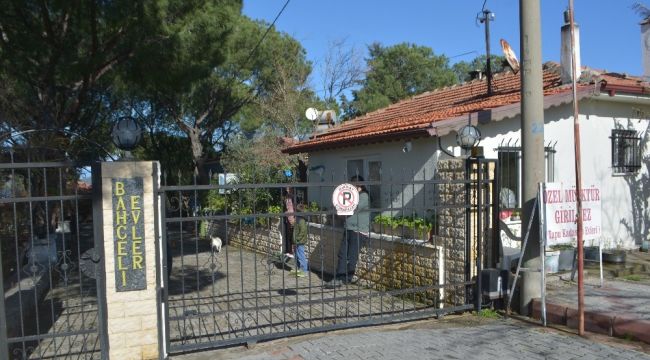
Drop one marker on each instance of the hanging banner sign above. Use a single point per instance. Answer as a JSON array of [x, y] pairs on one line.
[[559, 211], [345, 199]]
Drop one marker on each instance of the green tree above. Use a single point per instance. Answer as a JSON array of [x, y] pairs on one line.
[[60, 61], [210, 97], [397, 72], [462, 69]]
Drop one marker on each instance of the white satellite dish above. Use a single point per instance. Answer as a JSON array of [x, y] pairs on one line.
[[311, 114], [511, 58]]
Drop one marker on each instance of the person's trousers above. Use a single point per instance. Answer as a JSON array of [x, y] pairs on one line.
[[301, 259], [287, 246], [348, 255]]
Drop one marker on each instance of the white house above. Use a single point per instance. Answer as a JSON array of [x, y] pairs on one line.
[[407, 139]]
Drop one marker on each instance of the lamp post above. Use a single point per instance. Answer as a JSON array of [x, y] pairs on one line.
[[468, 138], [126, 134]]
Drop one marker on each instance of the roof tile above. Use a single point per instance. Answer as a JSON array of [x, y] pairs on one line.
[[419, 111]]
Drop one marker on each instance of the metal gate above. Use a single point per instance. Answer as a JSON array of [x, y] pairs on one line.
[[227, 281], [51, 293]]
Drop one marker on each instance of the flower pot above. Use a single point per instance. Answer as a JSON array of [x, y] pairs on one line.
[[421, 234], [591, 253], [565, 261], [552, 261], [614, 256]]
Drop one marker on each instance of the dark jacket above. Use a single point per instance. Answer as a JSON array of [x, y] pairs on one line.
[[300, 231], [360, 221]]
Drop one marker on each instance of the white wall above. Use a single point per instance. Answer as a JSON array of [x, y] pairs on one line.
[[398, 169], [598, 117]]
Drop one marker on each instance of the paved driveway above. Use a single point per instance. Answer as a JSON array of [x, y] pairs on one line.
[[501, 339]]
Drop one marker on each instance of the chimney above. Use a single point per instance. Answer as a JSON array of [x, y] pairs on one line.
[[476, 74], [645, 47], [565, 60]]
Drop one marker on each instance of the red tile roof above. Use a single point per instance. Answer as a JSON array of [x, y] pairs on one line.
[[414, 117]]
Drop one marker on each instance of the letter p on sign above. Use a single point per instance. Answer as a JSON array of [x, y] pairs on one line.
[[345, 199]]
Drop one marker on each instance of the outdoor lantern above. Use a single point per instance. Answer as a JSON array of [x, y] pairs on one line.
[[468, 136], [126, 133]]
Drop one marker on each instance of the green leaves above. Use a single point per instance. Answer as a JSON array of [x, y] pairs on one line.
[[411, 222], [398, 72], [462, 69]]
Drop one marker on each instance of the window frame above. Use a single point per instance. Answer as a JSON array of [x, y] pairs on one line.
[[626, 152], [549, 169], [376, 200]]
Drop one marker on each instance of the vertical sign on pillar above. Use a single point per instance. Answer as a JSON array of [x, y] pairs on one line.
[[128, 234]]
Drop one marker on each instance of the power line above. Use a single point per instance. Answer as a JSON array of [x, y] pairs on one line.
[[463, 54], [266, 32]]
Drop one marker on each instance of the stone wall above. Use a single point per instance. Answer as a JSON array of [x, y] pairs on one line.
[[452, 225], [386, 263]]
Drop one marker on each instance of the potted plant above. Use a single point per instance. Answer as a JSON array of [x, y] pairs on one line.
[[565, 260], [273, 209], [382, 224], [317, 218]]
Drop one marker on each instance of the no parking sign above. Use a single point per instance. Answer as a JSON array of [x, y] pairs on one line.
[[345, 199]]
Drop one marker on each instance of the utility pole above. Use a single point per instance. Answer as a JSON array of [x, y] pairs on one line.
[[487, 17], [532, 141], [576, 144]]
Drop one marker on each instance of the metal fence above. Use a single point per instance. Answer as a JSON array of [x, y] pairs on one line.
[[228, 280], [50, 293]]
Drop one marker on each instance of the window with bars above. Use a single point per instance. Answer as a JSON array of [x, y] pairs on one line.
[[626, 152], [509, 168]]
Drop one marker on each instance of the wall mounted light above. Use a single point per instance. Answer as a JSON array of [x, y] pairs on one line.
[[408, 146]]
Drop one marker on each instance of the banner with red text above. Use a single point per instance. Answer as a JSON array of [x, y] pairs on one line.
[[559, 211]]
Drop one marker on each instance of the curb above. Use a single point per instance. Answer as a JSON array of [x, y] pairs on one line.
[[596, 322]]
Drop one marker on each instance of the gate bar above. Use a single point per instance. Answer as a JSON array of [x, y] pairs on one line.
[[100, 269]]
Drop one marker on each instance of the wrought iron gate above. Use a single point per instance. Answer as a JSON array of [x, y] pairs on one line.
[[51, 293], [227, 281]]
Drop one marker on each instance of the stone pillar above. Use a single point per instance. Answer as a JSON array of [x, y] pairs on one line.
[[130, 258]]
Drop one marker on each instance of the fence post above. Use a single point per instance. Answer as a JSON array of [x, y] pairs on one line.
[[4, 348], [129, 228]]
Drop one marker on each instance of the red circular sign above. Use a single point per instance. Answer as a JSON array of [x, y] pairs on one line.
[[345, 199]]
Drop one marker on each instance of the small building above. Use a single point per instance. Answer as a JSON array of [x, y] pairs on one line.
[[409, 139]]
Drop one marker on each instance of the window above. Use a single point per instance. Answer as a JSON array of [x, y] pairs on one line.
[[626, 152], [509, 168], [370, 170]]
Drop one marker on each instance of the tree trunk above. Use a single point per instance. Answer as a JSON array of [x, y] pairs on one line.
[[198, 158]]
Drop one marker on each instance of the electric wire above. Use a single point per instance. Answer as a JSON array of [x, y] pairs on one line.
[[266, 32]]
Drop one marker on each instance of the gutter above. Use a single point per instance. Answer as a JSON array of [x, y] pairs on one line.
[[447, 126], [393, 136]]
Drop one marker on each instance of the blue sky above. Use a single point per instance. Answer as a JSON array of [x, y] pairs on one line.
[[609, 29]]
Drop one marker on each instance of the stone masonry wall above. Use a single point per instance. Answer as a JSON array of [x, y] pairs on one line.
[[451, 226], [385, 265]]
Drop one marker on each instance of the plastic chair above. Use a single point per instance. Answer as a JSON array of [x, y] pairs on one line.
[[508, 248]]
